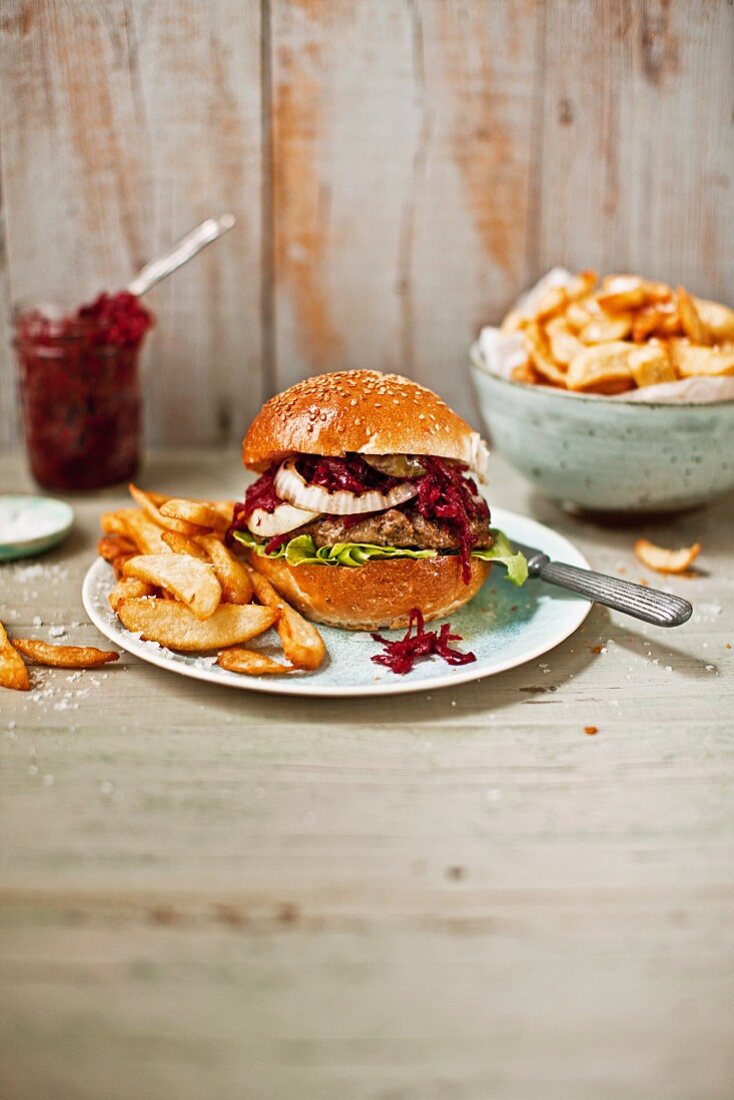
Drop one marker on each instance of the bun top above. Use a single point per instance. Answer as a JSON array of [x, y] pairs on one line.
[[362, 411]]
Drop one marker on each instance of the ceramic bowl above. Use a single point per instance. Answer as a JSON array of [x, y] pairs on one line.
[[608, 456]]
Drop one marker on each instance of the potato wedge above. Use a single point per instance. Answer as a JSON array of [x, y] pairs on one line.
[[153, 513], [605, 328], [129, 588], [110, 547], [692, 361], [551, 302], [666, 561], [182, 544], [718, 319], [120, 560], [114, 523], [693, 325], [13, 673], [192, 581], [171, 624], [540, 356], [650, 364], [232, 574], [620, 293], [302, 644], [250, 663], [64, 656], [147, 536], [602, 368], [196, 512], [564, 344]]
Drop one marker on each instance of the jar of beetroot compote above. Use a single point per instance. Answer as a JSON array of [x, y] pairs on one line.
[[79, 389]]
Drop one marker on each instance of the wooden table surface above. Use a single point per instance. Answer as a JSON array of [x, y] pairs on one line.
[[208, 893]]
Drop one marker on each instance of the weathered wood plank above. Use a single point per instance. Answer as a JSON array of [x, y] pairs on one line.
[[401, 160], [123, 125], [637, 154], [454, 892]]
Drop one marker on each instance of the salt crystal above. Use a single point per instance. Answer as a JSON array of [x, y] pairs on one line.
[[37, 620], [56, 631]]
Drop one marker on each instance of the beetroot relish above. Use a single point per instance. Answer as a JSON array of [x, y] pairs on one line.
[[351, 473], [80, 391], [116, 319], [401, 656], [444, 494]]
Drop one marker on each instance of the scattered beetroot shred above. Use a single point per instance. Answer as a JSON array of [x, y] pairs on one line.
[[400, 656]]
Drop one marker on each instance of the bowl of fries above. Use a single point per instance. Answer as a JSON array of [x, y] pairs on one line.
[[612, 398]]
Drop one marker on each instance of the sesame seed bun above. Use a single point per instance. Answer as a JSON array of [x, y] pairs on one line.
[[377, 595], [362, 411]]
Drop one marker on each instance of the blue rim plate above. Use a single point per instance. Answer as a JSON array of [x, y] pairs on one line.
[[53, 517], [503, 625]]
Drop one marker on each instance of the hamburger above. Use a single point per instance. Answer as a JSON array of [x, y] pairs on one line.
[[366, 506]]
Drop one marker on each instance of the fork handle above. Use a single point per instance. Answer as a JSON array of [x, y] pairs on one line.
[[647, 604]]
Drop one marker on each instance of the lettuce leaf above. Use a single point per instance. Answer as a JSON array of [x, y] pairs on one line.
[[501, 551], [302, 550]]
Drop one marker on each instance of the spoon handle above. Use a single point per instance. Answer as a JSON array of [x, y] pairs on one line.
[[181, 253]]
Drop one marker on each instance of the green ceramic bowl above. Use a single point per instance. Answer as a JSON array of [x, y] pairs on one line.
[[610, 456]]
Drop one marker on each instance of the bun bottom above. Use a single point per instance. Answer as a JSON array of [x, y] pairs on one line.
[[377, 595]]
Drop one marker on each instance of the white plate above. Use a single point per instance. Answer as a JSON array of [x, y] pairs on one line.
[[49, 519], [503, 625]]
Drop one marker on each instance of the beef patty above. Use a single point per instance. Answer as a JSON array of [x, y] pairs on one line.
[[393, 528]]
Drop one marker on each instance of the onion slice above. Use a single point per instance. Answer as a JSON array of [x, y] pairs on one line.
[[284, 518], [291, 486]]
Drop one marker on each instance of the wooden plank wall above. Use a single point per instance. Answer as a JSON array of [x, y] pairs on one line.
[[400, 169]]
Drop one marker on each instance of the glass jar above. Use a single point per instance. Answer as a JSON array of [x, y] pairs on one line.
[[80, 390]]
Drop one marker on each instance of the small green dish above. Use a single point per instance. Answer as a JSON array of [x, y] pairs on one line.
[[608, 456], [46, 522]]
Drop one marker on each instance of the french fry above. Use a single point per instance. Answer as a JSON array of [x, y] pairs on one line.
[[64, 656], [541, 358], [302, 644], [13, 673], [196, 512], [232, 574], [182, 544], [552, 301], [192, 581], [564, 344], [527, 373], [147, 536], [110, 547], [250, 663], [718, 319], [666, 561], [602, 368], [120, 560], [172, 624], [151, 510], [604, 329], [692, 361], [650, 364], [129, 588], [114, 523], [622, 293], [693, 325]]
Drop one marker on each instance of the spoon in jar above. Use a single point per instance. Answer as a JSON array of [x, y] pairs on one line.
[[181, 252]]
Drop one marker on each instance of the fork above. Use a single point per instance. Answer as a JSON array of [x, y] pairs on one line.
[[648, 604]]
